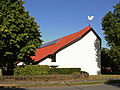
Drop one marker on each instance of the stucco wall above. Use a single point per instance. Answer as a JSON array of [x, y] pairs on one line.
[[82, 54]]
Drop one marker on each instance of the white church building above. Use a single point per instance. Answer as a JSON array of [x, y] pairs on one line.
[[78, 50]]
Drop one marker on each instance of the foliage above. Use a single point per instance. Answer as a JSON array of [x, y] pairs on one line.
[[97, 45], [30, 70], [107, 60], [111, 28], [63, 70], [19, 33], [76, 73]]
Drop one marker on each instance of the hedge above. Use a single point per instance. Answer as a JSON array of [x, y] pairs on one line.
[[34, 70], [64, 70], [30, 70]]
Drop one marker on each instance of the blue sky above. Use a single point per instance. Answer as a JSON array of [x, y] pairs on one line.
[[58, 18]]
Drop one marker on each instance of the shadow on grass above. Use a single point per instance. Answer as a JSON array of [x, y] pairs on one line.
[[113, 82], [10, 88]]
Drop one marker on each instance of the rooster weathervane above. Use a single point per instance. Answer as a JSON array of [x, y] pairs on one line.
[[90, 19]]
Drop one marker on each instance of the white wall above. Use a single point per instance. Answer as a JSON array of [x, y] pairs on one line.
[[20, 63], [46, 62], [81, 54]]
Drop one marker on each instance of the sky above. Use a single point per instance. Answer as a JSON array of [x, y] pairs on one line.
[[59, 18]]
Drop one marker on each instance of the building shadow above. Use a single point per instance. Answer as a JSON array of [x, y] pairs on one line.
[[113, 82], [10, 88]]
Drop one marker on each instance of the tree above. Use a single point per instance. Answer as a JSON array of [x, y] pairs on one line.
[[19, 33], [105, 58], [111, 28], [106, 61]]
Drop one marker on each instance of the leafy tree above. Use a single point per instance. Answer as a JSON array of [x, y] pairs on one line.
[[105, 58], [19, 33], [106, 61], [111, 28]]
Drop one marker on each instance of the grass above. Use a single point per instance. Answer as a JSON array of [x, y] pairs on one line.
[[54, 84], [101, 77], [104, 79], [91, 77]]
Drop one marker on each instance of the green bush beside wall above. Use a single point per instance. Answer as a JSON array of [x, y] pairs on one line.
[[63, 70], [33, 70], [30, 70]]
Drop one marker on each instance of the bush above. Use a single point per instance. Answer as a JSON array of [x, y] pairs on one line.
[[33, 70], [63, 70], [30, 70], [76, 73]]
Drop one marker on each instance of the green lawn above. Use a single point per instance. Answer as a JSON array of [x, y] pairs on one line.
[[99, 77], [91, 77]]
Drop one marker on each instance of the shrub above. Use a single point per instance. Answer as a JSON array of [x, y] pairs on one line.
[[33, 70], [63, 70], [76, 73], [30, 70]]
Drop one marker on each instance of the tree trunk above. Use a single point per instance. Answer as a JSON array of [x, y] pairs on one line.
[[0, 72]]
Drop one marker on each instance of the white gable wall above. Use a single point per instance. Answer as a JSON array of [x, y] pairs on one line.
[[46, 62], [82, 54]]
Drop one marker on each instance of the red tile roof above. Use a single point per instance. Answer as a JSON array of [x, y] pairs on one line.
[[51, 49]]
